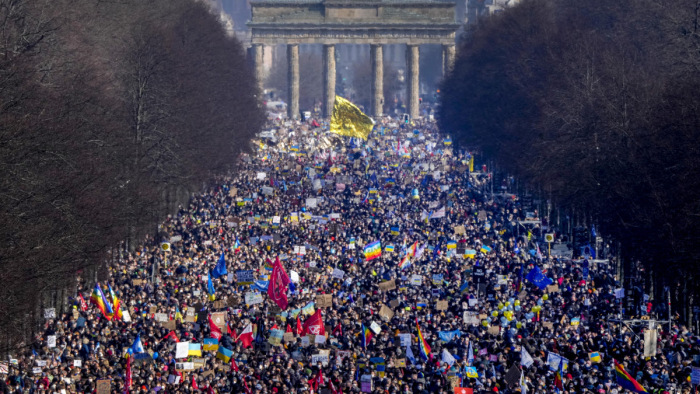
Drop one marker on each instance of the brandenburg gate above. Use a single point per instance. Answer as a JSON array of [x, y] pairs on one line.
[[374, 22]]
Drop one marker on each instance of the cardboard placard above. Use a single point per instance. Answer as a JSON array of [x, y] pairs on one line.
[[386, 313], [442, 305], [401, 363], [289, 337], [219, 304], [494, 330], [394, 304], [169, 325], [104, 386], [137, 282], [233, 301], [219, 319], [324, 300], [388, 285], [552, 289]]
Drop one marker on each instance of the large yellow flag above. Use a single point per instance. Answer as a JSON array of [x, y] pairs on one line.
[[349, 121]]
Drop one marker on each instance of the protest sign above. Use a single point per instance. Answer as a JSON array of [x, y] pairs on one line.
[[386, 313], [253, 298], [324, 300], [388, 285]]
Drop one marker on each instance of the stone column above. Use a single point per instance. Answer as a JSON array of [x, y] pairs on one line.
[[413, 63], [328, 79], [448, 57], [293, 80], [377, 58], [258, 52]]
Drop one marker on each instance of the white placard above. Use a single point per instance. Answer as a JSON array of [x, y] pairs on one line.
[[51, 341], [319, 359], [405, 339], [126, 317], [253, 298], [294, 276], [320, 339], [375, 328], [182, 349], [311, 203], [266, 190], [78, 363], [50, 313], [471, 318], [161, 317], [416, 280], [260, 176], [338, 273], [276, 219]]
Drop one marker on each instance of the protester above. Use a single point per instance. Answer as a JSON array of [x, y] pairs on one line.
[[453, 294]]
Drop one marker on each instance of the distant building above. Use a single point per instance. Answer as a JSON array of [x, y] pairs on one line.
[[476, 9]]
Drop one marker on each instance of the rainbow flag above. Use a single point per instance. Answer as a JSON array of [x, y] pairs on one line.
[[115, 301], [366, 336], [626, 381], [412, 250], [558, 382], [98, 298], [423, 344], [405, 262], [373, 250]]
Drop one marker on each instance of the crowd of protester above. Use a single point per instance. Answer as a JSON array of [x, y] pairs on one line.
[[494, 311]]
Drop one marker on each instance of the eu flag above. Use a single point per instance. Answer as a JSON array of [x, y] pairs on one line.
[[220, 269], [538, 278]]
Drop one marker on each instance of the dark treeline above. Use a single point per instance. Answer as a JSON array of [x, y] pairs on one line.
[[110, 114], [597, 104]]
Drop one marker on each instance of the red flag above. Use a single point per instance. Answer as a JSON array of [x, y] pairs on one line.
[[315, 123], [247, 389], [279, 283], [234, 366], [289, 328], [172, 335], [194, 384], [228, 330], [339, 329], [246, 336], [83, 303], [300, 329], [274, 327], [127, 381], [215, 331], [314, 324], [317, 381]]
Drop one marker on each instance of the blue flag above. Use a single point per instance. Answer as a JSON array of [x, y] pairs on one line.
[[220, 269], [536, 277], [260, 285], [210, 288], [137, 346], [448, 336]]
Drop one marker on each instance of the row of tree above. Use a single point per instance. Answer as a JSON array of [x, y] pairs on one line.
[[596, 103], [111, 113]]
